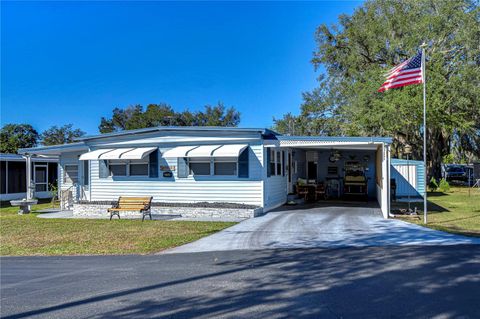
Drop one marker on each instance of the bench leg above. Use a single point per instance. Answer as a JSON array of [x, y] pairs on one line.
[[114, 213], [145, 214]]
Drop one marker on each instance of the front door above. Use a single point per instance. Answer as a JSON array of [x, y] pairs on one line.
[[40, 177]]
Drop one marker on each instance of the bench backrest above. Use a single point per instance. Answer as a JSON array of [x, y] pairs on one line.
[[135, 203]]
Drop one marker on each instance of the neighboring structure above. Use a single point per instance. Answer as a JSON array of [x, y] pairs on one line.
[[244, 168], [13, 176]]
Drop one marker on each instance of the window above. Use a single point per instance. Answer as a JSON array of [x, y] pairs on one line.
[[70, 174], [86, 173], [279, 163], [225, 166], [138, 169], [128, 168], [199, 166], [272, 162], [117, 168], [276, 163]]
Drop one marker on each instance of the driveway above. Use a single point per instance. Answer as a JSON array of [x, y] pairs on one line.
[[339, 225]]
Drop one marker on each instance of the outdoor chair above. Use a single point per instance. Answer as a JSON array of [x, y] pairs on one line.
[[320, 191], [302, 191]]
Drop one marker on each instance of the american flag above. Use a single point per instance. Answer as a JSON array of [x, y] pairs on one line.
[[406, 73]]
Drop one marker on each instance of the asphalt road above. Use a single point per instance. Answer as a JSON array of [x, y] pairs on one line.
[[355, 282], [341, 225]]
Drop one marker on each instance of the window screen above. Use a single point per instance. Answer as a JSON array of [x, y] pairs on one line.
[[3, 177], [118, 169], [139, 169], [52, 173], [17, 179], [40, 178], [40, 187], [226, 168], [40, 174], [199, 166]]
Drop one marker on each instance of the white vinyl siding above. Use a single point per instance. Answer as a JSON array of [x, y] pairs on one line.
[[275, 185], [185, 190]]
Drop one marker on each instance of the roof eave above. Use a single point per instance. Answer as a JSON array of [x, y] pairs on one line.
[[53, 149], [262, 131]]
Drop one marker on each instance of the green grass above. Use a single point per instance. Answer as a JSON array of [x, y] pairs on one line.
[[22, 235], [457, 211]]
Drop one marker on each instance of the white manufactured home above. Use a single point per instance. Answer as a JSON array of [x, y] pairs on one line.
[[234, 168]]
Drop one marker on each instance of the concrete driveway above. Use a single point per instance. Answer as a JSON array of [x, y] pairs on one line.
[[340, 225]]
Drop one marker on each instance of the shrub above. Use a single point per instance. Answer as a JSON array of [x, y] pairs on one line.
[[444, 186], [433, 185]]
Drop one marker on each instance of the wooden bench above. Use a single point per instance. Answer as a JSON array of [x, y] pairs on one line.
[[141, 204]]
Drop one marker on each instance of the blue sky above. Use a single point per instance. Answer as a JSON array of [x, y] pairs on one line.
[[74, 62]]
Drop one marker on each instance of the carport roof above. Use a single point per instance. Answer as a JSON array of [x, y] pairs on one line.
[[358, 139], [340, 142]]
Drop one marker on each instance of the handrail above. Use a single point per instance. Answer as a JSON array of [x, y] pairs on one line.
[[62, 194]]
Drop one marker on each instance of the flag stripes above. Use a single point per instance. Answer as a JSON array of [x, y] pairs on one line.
[[406, 73]]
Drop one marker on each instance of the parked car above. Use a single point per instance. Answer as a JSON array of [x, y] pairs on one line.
[[456, 173]]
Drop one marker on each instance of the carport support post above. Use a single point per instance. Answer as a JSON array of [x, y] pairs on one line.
[[28, 173], [424, 135]]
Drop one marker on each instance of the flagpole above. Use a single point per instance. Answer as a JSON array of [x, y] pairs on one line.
[[424, 135]]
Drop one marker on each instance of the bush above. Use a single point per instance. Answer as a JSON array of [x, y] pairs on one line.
[[444, 186], [433, 185]]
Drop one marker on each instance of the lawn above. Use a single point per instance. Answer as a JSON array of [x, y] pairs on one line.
[[456, 211], [28, 235]]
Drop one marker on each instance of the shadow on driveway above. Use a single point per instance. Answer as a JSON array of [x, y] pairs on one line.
[[349, 282]]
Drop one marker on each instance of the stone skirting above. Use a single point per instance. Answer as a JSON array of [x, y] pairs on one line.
[[218, 213]]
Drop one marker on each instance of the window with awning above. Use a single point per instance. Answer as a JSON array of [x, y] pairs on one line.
[[137, 153], [211, 160], [231, 150]]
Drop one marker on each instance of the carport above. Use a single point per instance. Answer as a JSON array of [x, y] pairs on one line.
[[349, 168]]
